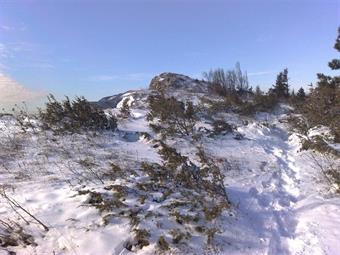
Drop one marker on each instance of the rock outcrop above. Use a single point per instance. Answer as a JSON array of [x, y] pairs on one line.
[[173, 81]]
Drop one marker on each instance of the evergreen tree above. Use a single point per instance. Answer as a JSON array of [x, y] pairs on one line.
[[125, 109], [281, 87], [335, 63], [301, 95], [323, 103]]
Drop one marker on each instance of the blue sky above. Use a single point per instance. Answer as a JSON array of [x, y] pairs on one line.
[[99, 48]]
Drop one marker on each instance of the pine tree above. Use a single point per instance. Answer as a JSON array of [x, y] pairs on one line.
[[125, 109], [335, 63], [301, 95], [281, 87]]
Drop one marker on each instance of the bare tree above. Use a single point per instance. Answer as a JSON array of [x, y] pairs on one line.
[[225, 82]]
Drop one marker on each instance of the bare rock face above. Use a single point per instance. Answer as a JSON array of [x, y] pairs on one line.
[[173, 81]]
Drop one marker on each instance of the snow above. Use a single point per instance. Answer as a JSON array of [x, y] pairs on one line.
[[127, 96], [321, 131], [281, 205]]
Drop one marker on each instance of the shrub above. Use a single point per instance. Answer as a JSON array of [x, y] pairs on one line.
[[322, 106], [163, 244], [74, 116], [221, 127], [174, 116], [264, 102], [12, 234]]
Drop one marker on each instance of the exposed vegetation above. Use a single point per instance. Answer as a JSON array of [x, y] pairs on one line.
[[125, 109], [322, 105], [74, 116], [173, 116]]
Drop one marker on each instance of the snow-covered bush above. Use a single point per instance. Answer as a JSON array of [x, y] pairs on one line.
[[74, 116], [173, 116], [221, 127]]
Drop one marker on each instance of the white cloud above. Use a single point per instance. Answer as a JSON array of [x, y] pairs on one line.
[[13, 92], [3, 51], [6, 28]]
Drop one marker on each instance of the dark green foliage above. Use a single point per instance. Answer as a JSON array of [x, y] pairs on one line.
[[74, 116], [263, 102], [175, 117], [125, 109], [335, 63], [281, 87], [181, 172], [322, 107], [301, 95], [298, 99], [172, 159]]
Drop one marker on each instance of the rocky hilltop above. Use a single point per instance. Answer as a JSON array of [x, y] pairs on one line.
[[170, 82], [173, 81]]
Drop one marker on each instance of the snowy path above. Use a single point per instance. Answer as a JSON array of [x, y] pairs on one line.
[[268, 206], [280, 212], [280, 193]]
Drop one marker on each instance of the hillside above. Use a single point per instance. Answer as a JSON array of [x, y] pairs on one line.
[[138, 191]]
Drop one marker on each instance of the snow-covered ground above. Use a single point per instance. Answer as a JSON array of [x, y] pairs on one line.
[[281, 203]]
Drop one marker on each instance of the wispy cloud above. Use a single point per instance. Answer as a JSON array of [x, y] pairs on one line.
[[14, 92], [125, 77], [3, 51], [8, 50], [10, 28], [30, 51], [6, 28]]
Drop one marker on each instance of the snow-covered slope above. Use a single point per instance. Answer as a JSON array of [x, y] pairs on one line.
[[280, 202]]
